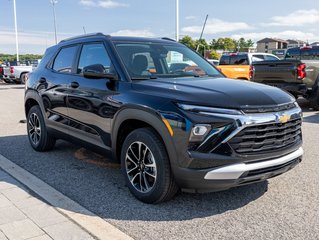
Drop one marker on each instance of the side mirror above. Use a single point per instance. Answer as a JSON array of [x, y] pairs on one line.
[[98, 71]]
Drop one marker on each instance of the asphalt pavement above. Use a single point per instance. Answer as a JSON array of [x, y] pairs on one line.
[[286, 207]]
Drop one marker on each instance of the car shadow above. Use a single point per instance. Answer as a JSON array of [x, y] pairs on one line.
[[314, 117], [101, 188]]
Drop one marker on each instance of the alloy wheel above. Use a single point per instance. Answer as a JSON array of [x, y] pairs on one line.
[[34, 128], [140, 167]]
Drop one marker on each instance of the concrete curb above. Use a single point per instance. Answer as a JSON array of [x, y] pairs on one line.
[[90, 222]]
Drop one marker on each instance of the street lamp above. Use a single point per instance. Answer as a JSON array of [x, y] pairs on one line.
[[177, 20], [16, 28], [54, 19]]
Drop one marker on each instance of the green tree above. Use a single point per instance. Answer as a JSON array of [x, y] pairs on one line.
[[214, 54], [226, 44], [202, 46], [188, 41], [243, 44]]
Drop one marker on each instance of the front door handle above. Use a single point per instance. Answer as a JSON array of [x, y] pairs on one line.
[[75, 84]]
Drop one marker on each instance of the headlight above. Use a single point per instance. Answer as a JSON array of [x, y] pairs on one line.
[[208, 110]]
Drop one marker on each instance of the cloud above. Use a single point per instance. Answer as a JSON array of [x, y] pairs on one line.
[[134, 33], [190, 17], [29, 42], [217, 26], [255, 36], [88, 3], [102, 3], [297, 18]]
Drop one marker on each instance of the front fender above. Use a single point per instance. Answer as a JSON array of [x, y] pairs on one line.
[[152, 118]]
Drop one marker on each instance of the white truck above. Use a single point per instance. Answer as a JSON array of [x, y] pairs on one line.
[[16, 74]]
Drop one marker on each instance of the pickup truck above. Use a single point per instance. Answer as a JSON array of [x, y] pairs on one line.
[[17, 74], [239, 65], [297, 73]]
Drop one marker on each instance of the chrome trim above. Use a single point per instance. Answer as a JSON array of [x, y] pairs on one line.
[[233, 172], [253, 119]]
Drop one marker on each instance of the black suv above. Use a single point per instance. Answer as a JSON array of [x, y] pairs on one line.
[[171, 119]]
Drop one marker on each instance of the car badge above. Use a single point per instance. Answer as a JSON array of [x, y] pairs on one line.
[[283, 118]]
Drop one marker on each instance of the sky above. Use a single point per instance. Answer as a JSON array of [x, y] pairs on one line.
[[252, 19]]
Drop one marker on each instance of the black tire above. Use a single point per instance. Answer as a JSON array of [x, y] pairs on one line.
[[314, 101], [38, 135], [23, 78], [163, 187], [7, 81]]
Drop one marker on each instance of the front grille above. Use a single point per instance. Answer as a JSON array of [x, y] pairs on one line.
[[267, 137]]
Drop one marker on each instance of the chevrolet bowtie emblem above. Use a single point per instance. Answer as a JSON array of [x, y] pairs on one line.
[[284, 118]]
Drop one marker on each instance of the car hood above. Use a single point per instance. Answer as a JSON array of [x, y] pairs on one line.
[[215, 92]]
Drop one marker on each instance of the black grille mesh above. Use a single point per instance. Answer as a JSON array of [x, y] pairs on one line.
[[267, 137]]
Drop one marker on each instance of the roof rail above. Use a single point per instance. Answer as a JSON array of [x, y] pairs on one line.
[[169, 39], [82, 36]]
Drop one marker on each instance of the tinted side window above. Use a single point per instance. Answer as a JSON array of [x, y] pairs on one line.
[[270, 58], [224, 60], [258, 58], [64, 60], [94, 54], [239, 60]]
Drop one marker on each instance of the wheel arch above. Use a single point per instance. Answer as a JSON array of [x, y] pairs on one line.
[[32, 98], [140, 117]]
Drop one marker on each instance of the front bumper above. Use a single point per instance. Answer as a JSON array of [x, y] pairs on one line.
[[234, 175], [218, 165]]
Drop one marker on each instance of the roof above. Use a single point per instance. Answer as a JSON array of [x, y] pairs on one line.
[[117, 38], [267, 40], [295, 41]]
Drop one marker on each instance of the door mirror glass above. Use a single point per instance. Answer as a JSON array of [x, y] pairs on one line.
[[98, 71]]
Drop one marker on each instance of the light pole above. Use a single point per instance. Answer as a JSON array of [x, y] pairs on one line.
[[54, 19], [16, 28], [177, 20]]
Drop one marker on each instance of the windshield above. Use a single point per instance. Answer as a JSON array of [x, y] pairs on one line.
[[158, 60]]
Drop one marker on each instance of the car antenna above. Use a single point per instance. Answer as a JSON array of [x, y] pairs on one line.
[[201, 35]]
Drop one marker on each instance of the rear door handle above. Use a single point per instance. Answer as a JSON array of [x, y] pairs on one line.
[[75, 84], [42, 80]]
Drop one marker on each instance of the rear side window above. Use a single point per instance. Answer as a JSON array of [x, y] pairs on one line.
[[224, 60], [234, 60], [270, 58], [64, 60], [257, 58], [239, 60]]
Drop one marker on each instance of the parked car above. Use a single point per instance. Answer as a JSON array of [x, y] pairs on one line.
[[298, 73], [1, 71], [215, 62], [16, 73], [190, 129], [239, 65]]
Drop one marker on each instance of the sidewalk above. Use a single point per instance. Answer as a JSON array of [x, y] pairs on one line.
[[25, 216]]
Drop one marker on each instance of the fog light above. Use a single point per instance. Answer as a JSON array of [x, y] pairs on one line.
[[199, 132]]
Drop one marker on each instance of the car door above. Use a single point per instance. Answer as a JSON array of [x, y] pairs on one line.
[[89, 100], [53, 86]]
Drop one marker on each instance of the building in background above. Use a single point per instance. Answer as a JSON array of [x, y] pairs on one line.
[[268, 45]]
